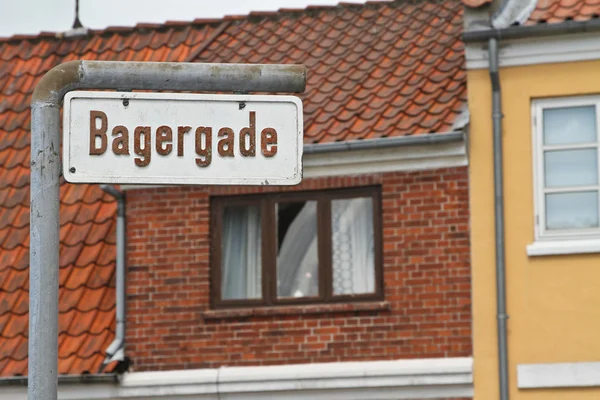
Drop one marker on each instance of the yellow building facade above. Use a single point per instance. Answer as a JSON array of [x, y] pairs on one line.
[[549, 84]]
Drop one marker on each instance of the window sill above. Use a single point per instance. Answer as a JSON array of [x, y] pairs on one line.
[[232, 313], [558, 247]]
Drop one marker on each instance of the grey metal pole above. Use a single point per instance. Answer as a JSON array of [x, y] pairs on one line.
[[43, 271], [45, 170], [499, 221]]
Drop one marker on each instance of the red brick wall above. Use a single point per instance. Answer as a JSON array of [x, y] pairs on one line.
[[426, 312]]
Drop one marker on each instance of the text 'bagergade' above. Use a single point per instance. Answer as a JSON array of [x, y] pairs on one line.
[[165, 139]]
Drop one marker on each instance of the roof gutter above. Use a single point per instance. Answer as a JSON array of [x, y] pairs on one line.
[[372, 144], [116, 350], [64, 379], [539, 30]]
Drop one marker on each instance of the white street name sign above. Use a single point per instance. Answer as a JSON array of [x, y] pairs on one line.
[[178, 138]]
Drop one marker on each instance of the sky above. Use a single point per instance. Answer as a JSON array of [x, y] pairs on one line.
[[34, 16]]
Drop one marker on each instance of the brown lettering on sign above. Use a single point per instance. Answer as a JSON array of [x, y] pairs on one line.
[[225, 145], [98, 132], [181, 130], [248, 148], [164, 141], [205, 152], [145, 152], [120, 144], [164, 137], [268, 137]]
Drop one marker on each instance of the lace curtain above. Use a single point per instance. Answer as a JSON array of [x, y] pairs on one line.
[[353, 254]]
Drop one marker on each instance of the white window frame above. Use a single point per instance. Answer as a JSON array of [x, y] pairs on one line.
[[567, 241]]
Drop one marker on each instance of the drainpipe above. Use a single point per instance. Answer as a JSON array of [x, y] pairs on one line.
[[116, 350], [499, 220]]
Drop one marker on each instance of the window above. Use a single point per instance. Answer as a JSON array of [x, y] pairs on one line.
[[566, 168], [309, 247]]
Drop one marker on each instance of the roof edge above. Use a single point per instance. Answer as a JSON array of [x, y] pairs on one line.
[[114, 29], [368, 144], [530, 31], [251, 16]]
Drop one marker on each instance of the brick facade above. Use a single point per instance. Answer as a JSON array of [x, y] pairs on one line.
[[425, 313]]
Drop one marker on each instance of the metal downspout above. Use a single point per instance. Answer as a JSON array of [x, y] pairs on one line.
[[499, 220], [116, 350]]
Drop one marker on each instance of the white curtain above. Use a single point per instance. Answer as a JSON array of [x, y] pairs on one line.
[[241, 253], [297, 260], [353, 246]]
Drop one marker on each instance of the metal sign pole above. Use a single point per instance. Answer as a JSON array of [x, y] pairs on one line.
[[46, 165]]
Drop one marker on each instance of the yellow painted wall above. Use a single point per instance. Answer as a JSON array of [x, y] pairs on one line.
[[553, 301]]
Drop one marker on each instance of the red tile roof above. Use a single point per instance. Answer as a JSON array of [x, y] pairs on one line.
[[375, 70], [87, 215], [556, 11]]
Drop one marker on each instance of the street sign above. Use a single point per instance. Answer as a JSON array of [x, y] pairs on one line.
[[45, 164], [179, 138]]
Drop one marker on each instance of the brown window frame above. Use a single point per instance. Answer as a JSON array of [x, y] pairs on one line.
[[266, 203]]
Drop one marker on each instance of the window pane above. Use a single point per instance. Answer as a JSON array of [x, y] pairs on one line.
[[297, 252], [353, 255], [241, 253], [571, 167], [572, 210], [570, 125]]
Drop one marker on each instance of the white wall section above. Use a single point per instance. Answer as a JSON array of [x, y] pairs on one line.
[[375, 380]]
